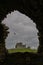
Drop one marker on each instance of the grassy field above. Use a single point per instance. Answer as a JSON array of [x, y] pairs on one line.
[[22, 50]]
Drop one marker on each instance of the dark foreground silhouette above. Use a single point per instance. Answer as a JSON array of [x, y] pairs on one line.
[[23, 59]]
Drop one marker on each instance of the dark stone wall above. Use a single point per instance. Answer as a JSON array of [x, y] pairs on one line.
[[23, 59], [3, 35], [31, 8]]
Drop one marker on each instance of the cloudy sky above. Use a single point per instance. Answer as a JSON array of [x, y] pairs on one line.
[[22, 29]]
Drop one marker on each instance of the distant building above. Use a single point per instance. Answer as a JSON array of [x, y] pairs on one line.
[[20, 45], [28, 47]]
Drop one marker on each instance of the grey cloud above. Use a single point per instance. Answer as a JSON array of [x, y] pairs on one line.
[[24, 27]]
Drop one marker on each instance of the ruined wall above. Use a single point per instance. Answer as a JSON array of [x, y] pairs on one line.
[[25, 58], [3, 35]]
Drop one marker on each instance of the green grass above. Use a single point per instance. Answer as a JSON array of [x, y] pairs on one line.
[[22, 50]]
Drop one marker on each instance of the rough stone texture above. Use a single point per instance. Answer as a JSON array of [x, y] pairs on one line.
[[3, 35], [23, 59], [31, 8]]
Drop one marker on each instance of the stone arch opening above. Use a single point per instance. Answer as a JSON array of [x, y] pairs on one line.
[[24, 29], [27, 7]]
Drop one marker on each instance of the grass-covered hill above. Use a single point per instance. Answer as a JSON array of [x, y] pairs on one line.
[[22, 50]]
